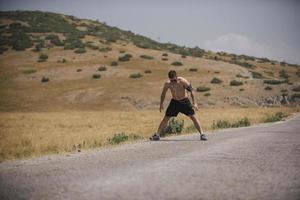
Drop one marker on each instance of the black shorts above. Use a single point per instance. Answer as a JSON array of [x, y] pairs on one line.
[[184, 106]]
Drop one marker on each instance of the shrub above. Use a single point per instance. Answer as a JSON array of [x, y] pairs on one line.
[[118, 138], [174, 127], [202, 89], [216, 81], [165, 54], [225, 124], [164, 59], [62, 60], [176, 63], [45, 79], [106, 49], [148, 71], [274, 118], [183, 56], [256, 75], [136, 75], [283, 74], [102, 68], [242, 89], [295, 96], [207, 94], [78, 70], [146, 57], [193, 69], [29, 71], [122, 137], [296, 89], [96, 76], [126, 57], [121, 51], [43, 58], [241, 76], [236, 83], [298, 74], [114, 63], [274, 82], [268, 88], [81, 50]]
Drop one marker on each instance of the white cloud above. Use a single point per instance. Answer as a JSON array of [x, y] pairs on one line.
[[241, 44]]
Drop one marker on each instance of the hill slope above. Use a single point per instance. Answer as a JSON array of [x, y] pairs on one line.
[[78, 56]]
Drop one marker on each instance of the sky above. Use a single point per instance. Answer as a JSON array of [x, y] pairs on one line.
[[261, 28]]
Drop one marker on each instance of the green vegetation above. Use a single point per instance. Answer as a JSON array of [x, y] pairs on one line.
[[126, 57], [216, 81], [146, 57], [78, 70], [268, 88], [122, 137], [283, 74], [296, 89], [136, 75], [114, 63], [295, 96], [45, 79], [174, 127], [236, 83], [164, 59], [96, 76], [29, 71], [276, 117], [225, 124], [202, 89], [105, 49], [81, 50], [164, 54], [148, 71], [274, 82], [42, 58], [242, 64], [176, 63], [54, 39], [241, 76], [102, 68], [256, 75], [193, 69], [207, 94]]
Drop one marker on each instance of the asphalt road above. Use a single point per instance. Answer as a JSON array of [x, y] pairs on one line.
[[261, 162]]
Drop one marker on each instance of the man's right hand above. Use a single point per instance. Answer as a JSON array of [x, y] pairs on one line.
[[161, 107]]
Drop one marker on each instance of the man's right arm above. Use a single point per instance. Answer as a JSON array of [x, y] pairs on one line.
[[162, 96]]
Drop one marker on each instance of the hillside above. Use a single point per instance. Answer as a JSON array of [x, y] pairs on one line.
[[55, 62]]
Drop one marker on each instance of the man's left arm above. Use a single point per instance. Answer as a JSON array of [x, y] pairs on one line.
[[189, 88]]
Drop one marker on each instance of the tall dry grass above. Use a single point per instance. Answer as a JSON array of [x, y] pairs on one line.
[[34, 134]]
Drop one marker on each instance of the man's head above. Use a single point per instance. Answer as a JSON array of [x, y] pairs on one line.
[[172, 76]]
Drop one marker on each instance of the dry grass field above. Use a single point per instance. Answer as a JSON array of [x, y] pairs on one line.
[[27, 134]]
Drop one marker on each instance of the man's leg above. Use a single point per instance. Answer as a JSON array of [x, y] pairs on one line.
[[196, 123], [198, 127], [163, 124]]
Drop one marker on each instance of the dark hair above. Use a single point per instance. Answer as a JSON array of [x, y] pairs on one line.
[[172, 74]]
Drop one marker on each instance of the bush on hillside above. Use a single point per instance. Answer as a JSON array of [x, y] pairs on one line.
[[236, 83], [43, 58], [216, 81], [274, 82], [146, 57], [136, 75], [102, 68], [176, 63], [202, 89], [114, 63]]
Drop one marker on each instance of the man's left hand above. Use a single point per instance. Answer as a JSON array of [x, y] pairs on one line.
[[195, 106]]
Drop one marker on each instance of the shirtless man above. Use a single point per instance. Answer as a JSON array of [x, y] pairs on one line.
[[179, 103]]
